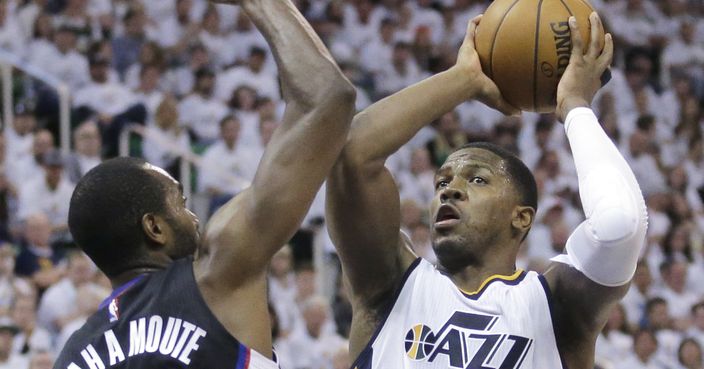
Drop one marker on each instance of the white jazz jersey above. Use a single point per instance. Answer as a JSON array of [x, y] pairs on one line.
[[506, 324]]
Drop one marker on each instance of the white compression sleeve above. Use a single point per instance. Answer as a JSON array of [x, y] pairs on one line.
[[605, 247]]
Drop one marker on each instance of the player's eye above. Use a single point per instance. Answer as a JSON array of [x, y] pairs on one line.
[[441, 184]]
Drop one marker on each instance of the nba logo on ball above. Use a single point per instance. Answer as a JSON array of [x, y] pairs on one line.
[[419, 342], [524, 46]]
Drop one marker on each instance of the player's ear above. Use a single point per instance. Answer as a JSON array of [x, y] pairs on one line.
[[522, 218], [154, 228]]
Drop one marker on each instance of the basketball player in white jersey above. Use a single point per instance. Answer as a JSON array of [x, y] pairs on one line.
[[475, 309]]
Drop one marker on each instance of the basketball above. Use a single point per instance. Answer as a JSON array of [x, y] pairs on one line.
[[524, 47]]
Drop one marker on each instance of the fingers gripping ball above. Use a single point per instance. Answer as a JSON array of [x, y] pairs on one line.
[[524, 47]]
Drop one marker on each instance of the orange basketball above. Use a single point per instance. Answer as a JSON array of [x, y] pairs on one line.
[[524, 47]]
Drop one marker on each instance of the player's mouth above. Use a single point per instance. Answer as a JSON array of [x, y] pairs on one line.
[[447, 217]]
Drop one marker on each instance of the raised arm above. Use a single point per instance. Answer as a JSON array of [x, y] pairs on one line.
[[243, 235], [603, 251], [363, 210]]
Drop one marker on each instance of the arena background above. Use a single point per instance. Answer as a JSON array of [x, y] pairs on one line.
[[192, 87]]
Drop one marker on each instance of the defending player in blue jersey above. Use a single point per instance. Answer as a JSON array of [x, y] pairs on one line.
[[475, 309], [171, 308]]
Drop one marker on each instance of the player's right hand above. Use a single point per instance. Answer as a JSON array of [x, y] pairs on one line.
[[481, 87], [582, 78]]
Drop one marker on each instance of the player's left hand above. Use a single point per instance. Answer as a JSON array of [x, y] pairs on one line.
[[481, 86], [582, 78]]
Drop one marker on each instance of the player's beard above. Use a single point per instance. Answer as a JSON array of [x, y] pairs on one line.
[[186, 240]]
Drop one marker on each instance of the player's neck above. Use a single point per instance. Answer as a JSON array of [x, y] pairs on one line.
[[472, 277]]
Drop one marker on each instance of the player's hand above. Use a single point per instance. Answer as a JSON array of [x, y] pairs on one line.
[[582, 78], [481, 87]]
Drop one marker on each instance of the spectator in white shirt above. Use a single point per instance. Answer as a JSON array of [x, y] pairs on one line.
[[244, 105], [175, 27], [418, 183], [166, 140], [87, 300], [643, 158], [645, 345], [65, 63], [315, 344], [19, 136], [28, 14], [40, 39], [87, 142], [30, 337], [401, 72], [376, 54], [638, 294], [223, 171], [11, 286], [58, 305], [214, 39], [41, 360], [697, 328], [615, 341], [8, 360], [126, 48], [660, 321], [11, 35], [636, 23], [24, 168], [683, 53], [252, 74], [148, 92], [150, 54], [49, 194], [199, 111], [75, 15], [679, 300], [112, 104], [689, 354], [244, 37], [282, 289], [181, 80]]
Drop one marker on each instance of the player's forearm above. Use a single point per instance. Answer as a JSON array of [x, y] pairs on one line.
[[612, 201], [381, 129], [307, 71]]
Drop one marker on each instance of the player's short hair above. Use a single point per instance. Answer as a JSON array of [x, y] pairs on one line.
[[106, 212], [520, 175]]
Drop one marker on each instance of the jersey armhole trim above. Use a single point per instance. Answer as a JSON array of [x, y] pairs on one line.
[[242, 357], [386, 312], [551, 307]]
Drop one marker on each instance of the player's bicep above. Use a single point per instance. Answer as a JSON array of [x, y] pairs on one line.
[[363, 217]]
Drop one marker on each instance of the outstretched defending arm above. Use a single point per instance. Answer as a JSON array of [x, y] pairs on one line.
[[363, 209], [243, 235], [602, 252]]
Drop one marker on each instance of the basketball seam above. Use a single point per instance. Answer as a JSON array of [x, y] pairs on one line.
[[567, 7], [588, 4], [535, 56], [493, 41]]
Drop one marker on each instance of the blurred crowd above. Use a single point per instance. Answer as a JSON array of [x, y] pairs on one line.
[[198, 81]]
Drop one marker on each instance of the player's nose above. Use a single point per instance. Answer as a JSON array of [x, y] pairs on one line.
[[451, 193]]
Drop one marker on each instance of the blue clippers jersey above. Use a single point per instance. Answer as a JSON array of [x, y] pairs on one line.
[[157, 320]]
